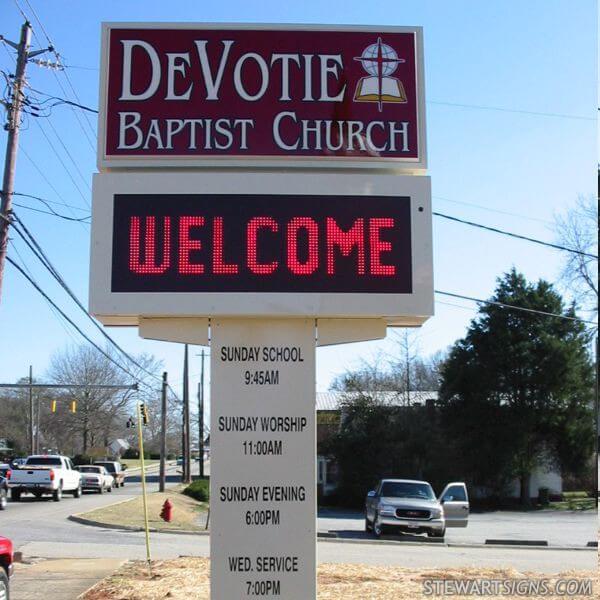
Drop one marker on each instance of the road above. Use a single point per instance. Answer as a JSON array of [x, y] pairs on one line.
[[558, 528], [41, 529]]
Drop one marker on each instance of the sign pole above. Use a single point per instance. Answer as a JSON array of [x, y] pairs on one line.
[[263, 455], [143, 467]]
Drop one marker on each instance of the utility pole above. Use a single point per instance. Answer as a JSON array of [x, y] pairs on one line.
[[31, 413], [163, 435], [38, 421], [13, 123], [187, 470], [201, 418]]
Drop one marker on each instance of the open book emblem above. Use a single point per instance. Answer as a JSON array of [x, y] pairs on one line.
[[380, 61]]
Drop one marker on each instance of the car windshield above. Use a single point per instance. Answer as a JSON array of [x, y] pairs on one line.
[[96, 470], [42, 461], [407, 489]]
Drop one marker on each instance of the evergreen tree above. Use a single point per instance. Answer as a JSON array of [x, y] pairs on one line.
[[518, 390]]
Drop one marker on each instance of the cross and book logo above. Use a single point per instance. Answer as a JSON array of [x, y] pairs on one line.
[[380, 61]]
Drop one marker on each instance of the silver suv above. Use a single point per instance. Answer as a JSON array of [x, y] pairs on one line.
[[411, 506]]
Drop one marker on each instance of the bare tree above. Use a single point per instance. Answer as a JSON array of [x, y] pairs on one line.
[[100, 414], [578, 229], [399, 371]]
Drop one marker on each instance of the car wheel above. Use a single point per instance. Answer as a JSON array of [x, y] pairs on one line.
[[15, 495], [3, 500], [77, 492], [57, 494], [433, 533], [122, 484], [377, 527], [4, 592], [109, 489]]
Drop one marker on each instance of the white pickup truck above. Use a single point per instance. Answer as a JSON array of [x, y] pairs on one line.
[[45, 474]]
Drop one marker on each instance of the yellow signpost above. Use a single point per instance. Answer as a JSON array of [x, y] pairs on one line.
[[142, 464]]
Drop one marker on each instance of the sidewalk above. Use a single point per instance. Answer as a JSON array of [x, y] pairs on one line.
[[59, 579]]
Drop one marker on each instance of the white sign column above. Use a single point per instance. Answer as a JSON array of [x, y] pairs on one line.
[[263, 455]]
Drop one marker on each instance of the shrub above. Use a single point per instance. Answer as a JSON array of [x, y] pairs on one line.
[[199, 490]]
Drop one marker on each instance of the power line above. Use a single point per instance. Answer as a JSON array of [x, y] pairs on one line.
[[47, 202], [56, 313], [68, 153], [62, 101], [513, 110], [64, 316], [62, 162], [513, 307], [514, 235], [41, 173], [53, 49], [494, 210], [53, 213], [35, 247]]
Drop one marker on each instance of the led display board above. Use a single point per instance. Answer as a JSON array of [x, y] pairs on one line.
[[261, 243], [267, 95], [252, 244]]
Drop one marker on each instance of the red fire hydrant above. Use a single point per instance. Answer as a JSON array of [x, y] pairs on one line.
[[166, 514]]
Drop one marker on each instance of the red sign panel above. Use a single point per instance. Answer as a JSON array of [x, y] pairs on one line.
[[198, 94], [261, 243]]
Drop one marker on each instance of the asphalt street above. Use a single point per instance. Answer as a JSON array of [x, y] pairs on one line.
[[558, 528], [41, 529]]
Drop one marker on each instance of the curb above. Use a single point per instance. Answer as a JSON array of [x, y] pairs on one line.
[[329, 536], [77, 518], [516, 543], [334, 538]]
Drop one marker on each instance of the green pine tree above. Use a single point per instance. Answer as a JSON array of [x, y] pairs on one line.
[[518, 390]]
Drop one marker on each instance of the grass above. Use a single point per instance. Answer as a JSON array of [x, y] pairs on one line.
[[188, 578], [573, 504], [188, 514]]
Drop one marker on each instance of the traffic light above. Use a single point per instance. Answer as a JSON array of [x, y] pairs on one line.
[[130, 423], [144, 411], [73, 406], [53, 406]]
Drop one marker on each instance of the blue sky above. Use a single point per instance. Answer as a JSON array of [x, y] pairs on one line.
[[534, 56]]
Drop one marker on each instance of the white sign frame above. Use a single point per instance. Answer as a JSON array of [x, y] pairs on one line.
[[406, 165], [125, 308]]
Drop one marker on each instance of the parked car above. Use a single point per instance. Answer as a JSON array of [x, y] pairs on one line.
[[114, 468], [3, 496], [97, 478], [411, 506], [5, 468], [6, 566], [45, 474]]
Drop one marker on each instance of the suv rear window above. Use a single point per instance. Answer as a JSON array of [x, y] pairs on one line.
[[91, 469], [43, 461], [110, 467]]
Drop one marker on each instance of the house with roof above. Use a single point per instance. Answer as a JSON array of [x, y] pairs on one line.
[[330, 406]]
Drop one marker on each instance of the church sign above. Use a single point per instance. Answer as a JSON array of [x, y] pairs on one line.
[[261, 95]]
